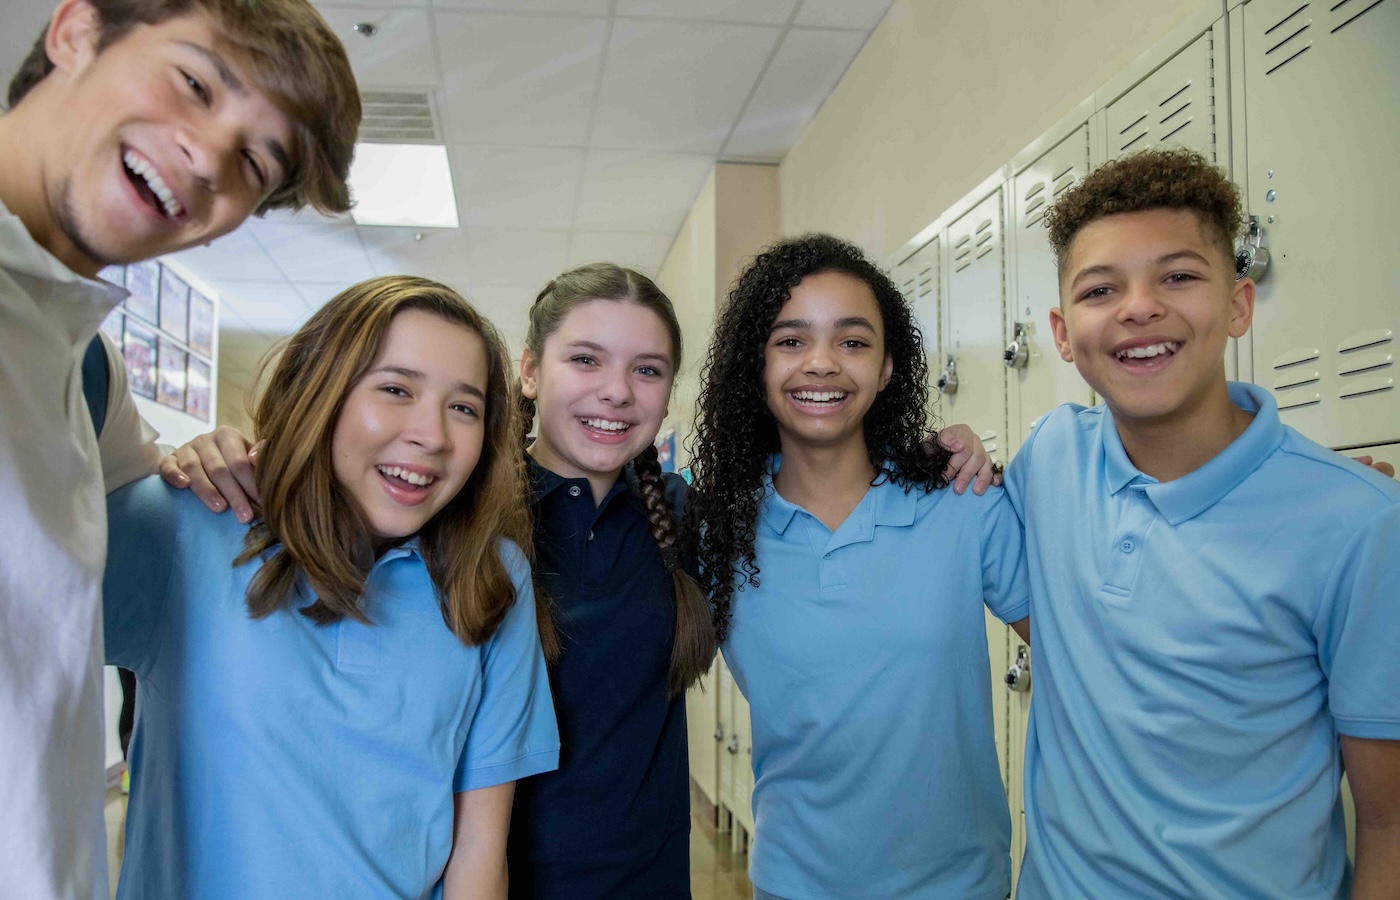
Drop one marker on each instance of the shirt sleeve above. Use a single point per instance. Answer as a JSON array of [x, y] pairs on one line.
[[513, 733], [127, 442], [1005, 584], [141, 544], [1357, 627]]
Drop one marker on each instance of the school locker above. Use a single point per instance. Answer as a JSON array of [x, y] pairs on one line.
[[1321, 138], [740, 750], [918, 280], [973, 380], [727, 691], [1173, 106], [702, 732]]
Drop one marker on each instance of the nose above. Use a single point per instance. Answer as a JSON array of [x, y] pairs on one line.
[[1140, 304], [427, 429], [820, 362], [210, 150], [616, 389]]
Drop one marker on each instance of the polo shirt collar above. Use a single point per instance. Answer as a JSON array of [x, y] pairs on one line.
[[544, 482], [1187, 497], [408, 548], [890, 505], [21, 254]]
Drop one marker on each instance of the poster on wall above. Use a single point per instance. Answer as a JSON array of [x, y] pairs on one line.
[[139, 351], [174, 306], [666, 449], [143, 280], [112, 326], [170, 383], [197, 389], [201, 324]]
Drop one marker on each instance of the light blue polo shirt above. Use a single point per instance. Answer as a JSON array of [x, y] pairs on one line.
[[278, 758], [1200, 645], [863, 655]]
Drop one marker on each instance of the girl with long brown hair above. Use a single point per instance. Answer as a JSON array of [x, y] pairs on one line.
[[601, 354], [336, 700]]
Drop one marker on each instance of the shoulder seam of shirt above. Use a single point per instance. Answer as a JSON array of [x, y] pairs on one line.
[[1362, 528], [1338, 464]]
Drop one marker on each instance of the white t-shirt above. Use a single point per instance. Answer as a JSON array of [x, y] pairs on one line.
[[52, 551]]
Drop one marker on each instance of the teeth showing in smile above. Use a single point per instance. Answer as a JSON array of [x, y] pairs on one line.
[[606, 425], [139, 166], [820, 396], [404, 475], [1149, 351]]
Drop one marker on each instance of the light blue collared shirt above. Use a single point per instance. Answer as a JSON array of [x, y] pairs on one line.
[[863, 655], [1200, 645], [277, 758]]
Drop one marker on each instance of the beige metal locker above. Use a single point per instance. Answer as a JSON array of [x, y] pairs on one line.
[[1320, 151], [1175, 105], [704, 735], [740, 749], [918, 280], [727, 690], [973, 379]]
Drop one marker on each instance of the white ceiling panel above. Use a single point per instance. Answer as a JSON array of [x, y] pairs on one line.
[[518, 80], [762, 12], [234, 257], [675, 86], [567, 7], [469, 258], [807, 66], [394, 56], [864, 14], [639, 192], [516, 187], [644, 252], [273, 307], [316, 294], [321, 252]]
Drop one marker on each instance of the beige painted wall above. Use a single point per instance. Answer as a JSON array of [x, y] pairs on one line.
[[942, 95]]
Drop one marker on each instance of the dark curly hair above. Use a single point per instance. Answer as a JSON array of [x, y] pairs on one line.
[[1150, 179], [735, 432]]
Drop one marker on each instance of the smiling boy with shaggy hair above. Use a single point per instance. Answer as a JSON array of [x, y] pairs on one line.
[[136, 128], [1216, 626]]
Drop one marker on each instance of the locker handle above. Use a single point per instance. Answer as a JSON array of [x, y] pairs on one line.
[[1018, 677], [733, 747], [719, 732]]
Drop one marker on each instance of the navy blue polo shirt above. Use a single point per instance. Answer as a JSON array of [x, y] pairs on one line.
[[614, 820]]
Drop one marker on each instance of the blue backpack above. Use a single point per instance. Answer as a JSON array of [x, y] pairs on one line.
[[96, 382]]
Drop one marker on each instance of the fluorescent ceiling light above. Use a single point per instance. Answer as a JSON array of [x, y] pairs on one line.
[[403, 184]]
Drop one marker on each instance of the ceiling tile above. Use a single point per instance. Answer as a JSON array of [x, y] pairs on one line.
[[518, 80], [272, 308], [639, 192], [865, 14], [644, 252], [328, 252], [574, 7], [234, 257], [394, 56], [323, 4], [470, 259], [315, 294], [763, 12], [677, 86], [807, 66], [516, 187]]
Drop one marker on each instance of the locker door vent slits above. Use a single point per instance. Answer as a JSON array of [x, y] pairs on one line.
[[1287, 39], [1363, 367], [962, 253], [1351, 10]]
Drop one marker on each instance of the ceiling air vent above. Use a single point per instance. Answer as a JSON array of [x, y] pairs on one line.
[[398, 117]]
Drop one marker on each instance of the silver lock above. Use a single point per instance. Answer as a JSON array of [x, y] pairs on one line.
[[1018, 352], [1018, 677], [948, 379], [1251, 256], [719, 732], [733, 747]]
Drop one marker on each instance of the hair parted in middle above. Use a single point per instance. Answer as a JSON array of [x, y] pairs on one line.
[[735, 433], [693, 646], [311, 526]]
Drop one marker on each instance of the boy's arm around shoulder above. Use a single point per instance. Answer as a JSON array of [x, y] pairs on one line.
[[143, 524]]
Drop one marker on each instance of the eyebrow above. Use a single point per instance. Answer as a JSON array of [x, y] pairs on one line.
[[231, 81], [1166, 259], [415, 375], [603, 351], [803, 324]]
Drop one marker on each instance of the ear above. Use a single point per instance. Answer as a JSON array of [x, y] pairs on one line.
[[1241, 307], [529, 375], [886, 371], [1060, 330], [74, 33]]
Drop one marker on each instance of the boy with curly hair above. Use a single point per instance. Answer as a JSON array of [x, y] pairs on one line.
[[1216, 627], [136, 128]]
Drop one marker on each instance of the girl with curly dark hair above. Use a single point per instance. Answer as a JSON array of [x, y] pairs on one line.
[[848, 588]]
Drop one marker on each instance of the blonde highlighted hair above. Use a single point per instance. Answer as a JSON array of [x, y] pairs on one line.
[[311, 526]]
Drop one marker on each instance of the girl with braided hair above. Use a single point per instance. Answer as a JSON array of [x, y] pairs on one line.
[[848, 588], [601, 353]]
